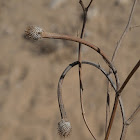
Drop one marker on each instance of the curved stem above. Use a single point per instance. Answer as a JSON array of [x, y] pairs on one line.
[[59, 91], [82, 41]]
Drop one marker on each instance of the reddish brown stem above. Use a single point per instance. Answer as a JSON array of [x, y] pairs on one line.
[[82, 41], [117, 98], [129, 77]]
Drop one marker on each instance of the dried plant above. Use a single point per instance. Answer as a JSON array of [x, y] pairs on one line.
[[64, 126]]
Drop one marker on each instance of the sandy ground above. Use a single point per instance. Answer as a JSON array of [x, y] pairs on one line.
[[29, 71]]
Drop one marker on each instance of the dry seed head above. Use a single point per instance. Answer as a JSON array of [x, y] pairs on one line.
[[64, 128], [33, 32]]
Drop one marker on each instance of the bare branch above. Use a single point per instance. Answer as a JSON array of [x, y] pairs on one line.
[[122, 109], [133, 27], [134, 114], [124, 130], [112, 60], [117, 99], [89, 5], [112, 116], [82, 4], [129, 77], [85, 10], [128, 122], [125, 31]]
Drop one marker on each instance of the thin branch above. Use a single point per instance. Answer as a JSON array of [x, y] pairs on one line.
[[85, 10], [129, 77], [118, 93], [82, 4], [134, 114], [89, 5], [112, 60], [133, 27], [107, 106], [112, 116], [123, 134], [125, 31], [59, 91], [122, 109], [128, 122], [108, 109], [103, 71]]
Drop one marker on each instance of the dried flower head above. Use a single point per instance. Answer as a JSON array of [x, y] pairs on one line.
[[64, 128], [33, 32]]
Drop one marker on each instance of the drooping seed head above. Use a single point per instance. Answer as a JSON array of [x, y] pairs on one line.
[[64, 128], [33, 32]]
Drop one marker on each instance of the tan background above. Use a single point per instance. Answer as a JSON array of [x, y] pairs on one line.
[[29, 71]]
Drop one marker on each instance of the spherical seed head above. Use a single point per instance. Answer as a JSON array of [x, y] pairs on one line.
[[64, 128], [33, 32]]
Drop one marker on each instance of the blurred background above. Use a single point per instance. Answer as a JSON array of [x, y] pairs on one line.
[[30, 70]]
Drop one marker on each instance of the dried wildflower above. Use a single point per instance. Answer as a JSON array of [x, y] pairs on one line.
[[64, 128], [33, 32]]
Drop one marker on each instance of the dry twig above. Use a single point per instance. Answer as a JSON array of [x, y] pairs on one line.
[[85, 10], [112, 60], [128, 77], [124, 32], [133, 27], [118, 93], [128, 122]]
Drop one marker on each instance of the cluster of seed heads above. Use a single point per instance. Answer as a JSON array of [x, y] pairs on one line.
[[64, 128], [33, 32]]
